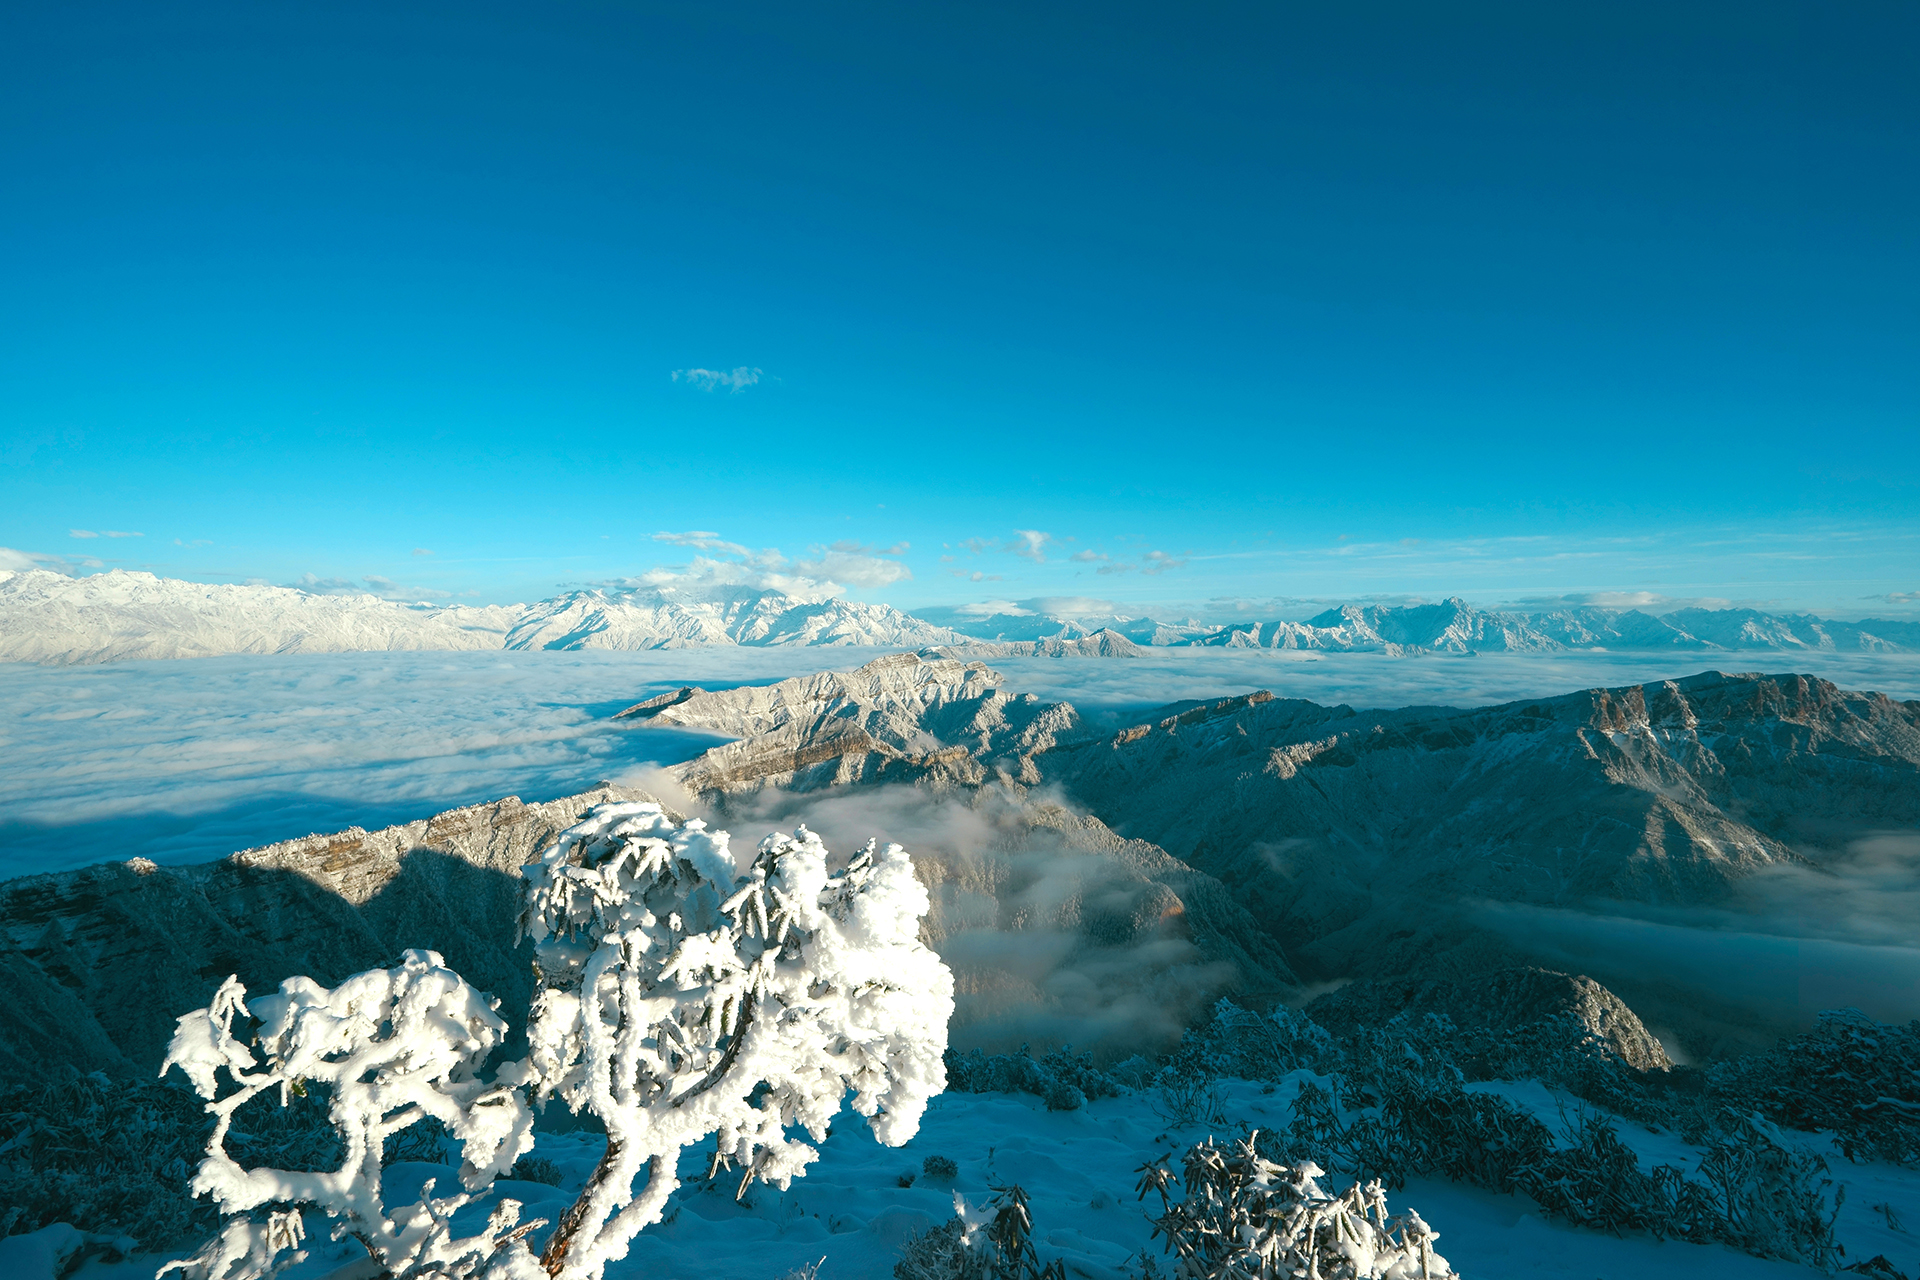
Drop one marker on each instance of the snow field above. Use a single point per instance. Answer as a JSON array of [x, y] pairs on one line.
[[1079, 1168]]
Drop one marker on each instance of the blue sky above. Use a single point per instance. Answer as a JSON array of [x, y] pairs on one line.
[[1263, 302]]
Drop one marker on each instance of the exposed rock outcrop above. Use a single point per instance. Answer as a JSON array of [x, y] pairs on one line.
[[902, 718]]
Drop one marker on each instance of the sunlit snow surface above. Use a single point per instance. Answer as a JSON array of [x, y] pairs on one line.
[[1079, 1167], [187, 760]]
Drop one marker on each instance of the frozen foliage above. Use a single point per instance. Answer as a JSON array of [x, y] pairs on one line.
[[1850, 1074], [1396, 1105], [393, 1047], [683, 997], [1243, 1216], [993, 1242], [115, 1157], [1062, 1079]]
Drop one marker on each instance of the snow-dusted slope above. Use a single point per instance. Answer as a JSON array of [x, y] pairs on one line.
[[47, 617]]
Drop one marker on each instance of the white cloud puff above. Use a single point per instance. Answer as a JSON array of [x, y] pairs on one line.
[[734, 380], [1030, 544], [821, 574]]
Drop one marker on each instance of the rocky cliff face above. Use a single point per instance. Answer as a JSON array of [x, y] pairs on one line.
[[902, 718]]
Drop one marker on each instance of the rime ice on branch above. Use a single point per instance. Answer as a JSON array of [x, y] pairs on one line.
[[393, 1046], [681, 997]]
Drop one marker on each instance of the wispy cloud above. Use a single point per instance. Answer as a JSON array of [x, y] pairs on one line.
[[103, 533], [975, 576], [1089, 557], [825, 571], [372, 584], [1030, 544], [703, 540], [421, 551], [734, 380]]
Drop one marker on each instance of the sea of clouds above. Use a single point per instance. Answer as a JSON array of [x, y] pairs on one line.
[[186, 761]]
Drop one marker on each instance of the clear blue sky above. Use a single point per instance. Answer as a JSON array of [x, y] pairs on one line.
[[1309, 299]]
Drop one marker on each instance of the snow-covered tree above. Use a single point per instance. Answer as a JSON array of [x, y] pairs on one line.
[[1247, 1218], [392, 1047], [682, 997]]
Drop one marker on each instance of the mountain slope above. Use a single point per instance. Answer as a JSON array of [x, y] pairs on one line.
[[1370, 844]]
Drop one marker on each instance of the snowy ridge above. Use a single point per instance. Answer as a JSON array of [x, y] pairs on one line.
[[110, 617]]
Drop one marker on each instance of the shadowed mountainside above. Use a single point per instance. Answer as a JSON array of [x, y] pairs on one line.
[[1364, 843], [99, 962]]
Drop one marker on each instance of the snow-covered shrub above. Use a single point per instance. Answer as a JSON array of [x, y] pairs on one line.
[[1769, 1197], [939, 1167], [1188, 1087], [535, 1169], [1855, 1077], [1063, 1079], [681, 996], [1248, 1218], [1253, 1046], [391, 1047], [992, 1242]]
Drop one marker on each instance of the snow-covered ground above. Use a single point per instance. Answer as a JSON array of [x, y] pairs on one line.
[[187, 761], [1079, 1167]]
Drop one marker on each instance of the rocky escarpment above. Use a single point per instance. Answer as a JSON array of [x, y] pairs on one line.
[[99, 962], [903, 718]]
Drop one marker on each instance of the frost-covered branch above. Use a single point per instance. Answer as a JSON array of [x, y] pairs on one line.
[[681, 997], [392, 1046]]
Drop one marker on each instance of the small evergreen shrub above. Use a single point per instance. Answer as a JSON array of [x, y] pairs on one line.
[[536, 1169], [1064, 1079]]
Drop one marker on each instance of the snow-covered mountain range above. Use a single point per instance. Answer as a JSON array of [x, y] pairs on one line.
[[1454, 626], [48, 617]]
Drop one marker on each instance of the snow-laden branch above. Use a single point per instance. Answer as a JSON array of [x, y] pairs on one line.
[[392, 1046], [681, 997]]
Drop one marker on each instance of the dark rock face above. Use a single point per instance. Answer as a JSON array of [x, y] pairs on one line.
[[1504, 1002], [99, 962]]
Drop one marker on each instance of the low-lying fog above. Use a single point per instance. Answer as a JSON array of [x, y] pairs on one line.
[[186, 761]]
